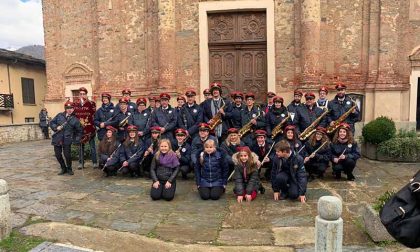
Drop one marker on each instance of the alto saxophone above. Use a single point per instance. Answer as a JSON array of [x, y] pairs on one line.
[[217, 118], [342, 118], [247, 127], [311, 128], [278, 129]]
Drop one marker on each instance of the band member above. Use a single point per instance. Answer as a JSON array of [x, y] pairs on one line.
[[288, 176], [157, 102], [44, 122], [236, 107], [230, 145], [291, 136], [317, 154], [275, 116], [152, 145], [247, 180], [190, 115], [181, 101], [123, 118], [152, 102], [261, 147], [183, 152], [131, 106], [340, 105], [197, 144], [308, 113], [251, 114], [141, 119], [295, 104], [67, 130], [207, 94], [270, 102], [344, 152], [108, 152], [85, 111], [164, 169], [105, 116], [165, 117], [211, 172], [215, 105], [132, 152], [322, 101]]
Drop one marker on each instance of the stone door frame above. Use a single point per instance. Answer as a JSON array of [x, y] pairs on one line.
[[231, 6], [414, 84]]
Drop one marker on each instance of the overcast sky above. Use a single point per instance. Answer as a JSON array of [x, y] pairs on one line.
[[21, 23]]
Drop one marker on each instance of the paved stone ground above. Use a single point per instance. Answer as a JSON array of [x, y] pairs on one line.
[[123, 204]]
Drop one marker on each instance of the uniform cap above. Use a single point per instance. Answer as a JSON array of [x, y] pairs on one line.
[[132, 128], [141, 100], [164, 96]]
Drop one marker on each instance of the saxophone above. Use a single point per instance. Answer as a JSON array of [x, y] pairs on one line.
[[217, 118], [247, 127], [277, 130], [311, 128], [334, 127]]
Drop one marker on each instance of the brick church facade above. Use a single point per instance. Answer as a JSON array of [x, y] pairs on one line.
[[150, 46]]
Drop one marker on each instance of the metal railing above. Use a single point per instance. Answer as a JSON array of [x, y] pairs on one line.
[[6, 102]]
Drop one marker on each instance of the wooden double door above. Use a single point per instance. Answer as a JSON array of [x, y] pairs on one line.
[[238, 52]]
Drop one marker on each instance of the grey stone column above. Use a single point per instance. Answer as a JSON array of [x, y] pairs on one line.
[[329, 225], [5, 214]]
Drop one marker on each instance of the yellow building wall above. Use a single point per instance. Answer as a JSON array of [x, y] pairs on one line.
[[21, 110]]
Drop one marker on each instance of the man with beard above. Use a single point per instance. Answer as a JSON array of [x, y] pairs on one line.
[[295, 104], [190, 115], [214, 105], [340, 105], [306, 114], [104, 116]]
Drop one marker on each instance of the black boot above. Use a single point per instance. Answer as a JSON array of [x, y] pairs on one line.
[[261, 189], [63, 171], [70, 171]]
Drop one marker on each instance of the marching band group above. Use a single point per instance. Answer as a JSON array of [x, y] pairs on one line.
[[216, 140]]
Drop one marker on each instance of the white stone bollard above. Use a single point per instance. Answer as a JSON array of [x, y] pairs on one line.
[[5, 214], [329, 225]]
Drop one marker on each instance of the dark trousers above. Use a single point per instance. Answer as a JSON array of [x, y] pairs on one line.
[[162, 193], [317, 168], [185, 169], [45, 132], [347, 166], [213, 193], [132, 169], [59, 150], [112, 166], [288, 187]]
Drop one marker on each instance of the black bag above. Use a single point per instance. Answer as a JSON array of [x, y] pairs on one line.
[[401, 214]]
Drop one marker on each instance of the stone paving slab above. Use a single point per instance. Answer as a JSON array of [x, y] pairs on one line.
[[242, 237], [58, 247], [294, 236]]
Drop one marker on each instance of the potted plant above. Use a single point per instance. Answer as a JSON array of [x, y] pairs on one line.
[[375, 132], [372, 222]]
